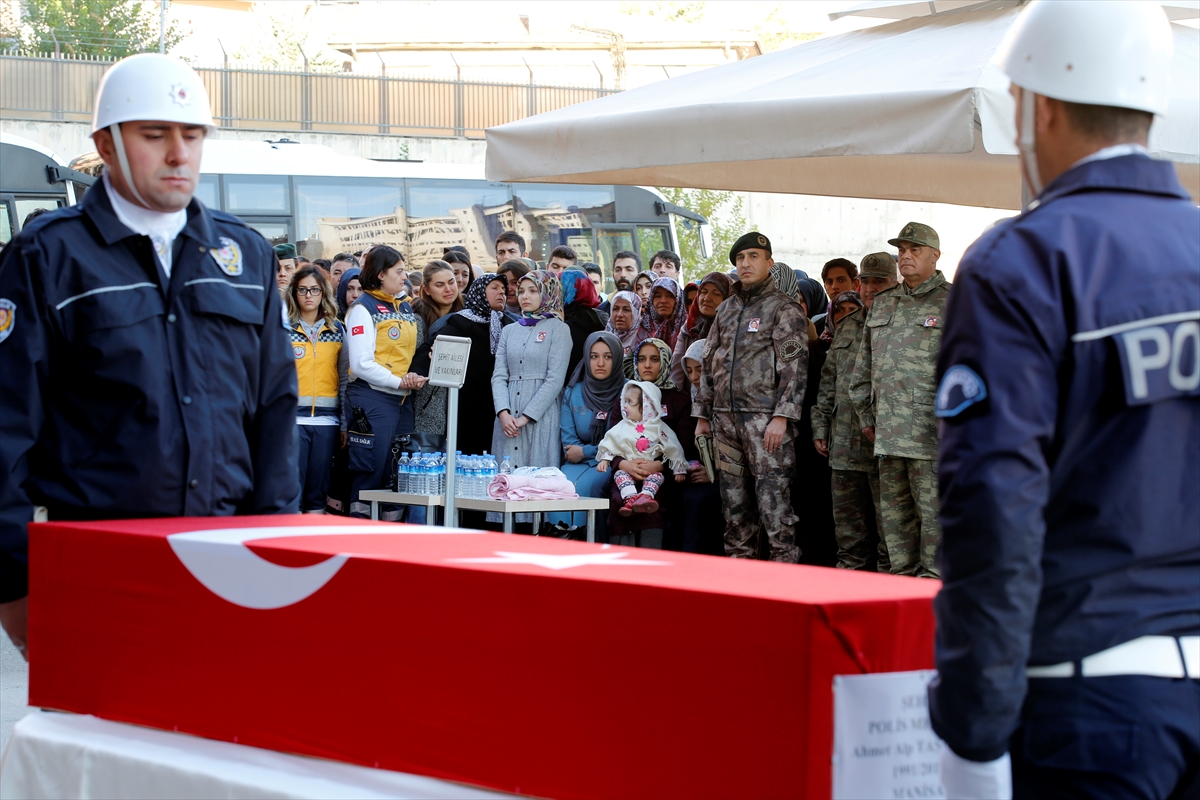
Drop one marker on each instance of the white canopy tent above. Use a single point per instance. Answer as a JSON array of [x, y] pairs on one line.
[[910, 110], [903, 9]]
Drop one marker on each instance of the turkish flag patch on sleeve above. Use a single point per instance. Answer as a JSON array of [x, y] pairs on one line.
[[357, 330]]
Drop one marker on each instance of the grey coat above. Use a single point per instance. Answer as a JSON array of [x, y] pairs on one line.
[[528, 379]]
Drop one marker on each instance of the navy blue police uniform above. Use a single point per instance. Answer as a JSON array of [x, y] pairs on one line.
[[131, 394], [1069, 397]]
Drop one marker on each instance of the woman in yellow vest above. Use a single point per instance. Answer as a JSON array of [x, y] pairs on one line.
[[383, 337], [321, 373]]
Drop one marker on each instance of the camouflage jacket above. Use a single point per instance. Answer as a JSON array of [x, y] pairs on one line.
[[893, 387], [756, 355], [833, 417]]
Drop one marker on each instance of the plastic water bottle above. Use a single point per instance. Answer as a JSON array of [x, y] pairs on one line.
[[441, 473], [476, 476], [489, 474], [402, 469], [422, 475]]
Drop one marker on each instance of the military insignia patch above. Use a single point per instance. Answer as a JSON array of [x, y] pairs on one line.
[[8, 317], [298, 351], [394, 332], [762, 240], [960, 389], [180, 95], [228, 257], [790, 349], [753, 326]]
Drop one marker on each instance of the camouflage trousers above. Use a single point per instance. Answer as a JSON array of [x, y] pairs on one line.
[[758, 499], [908, 504], [855, 512]]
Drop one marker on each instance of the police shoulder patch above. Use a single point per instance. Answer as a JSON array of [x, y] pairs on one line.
[[228, 256], [790, 349], [8, 317], [960, 389]]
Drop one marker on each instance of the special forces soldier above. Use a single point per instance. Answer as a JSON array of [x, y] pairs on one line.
[[755, 368], [893, 391], [837, 433]]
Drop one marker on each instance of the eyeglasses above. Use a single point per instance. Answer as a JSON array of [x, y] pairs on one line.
[[308, 291]]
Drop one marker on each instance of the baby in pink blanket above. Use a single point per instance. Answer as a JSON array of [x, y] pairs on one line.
[[641, 434]]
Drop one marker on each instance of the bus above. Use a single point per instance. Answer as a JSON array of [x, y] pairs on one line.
[[32, 178], [327, 203]]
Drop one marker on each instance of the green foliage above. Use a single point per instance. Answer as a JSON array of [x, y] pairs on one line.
[[775, 33], [98, 28], [725, 212], [665, 11], [284, 33]]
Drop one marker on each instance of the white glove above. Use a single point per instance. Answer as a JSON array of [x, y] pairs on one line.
[[976, 780]]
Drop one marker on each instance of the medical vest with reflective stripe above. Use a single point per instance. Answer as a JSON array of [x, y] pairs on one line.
[[317, 368], [396, 332]]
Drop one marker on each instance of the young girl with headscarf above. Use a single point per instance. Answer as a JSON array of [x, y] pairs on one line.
[[531, 367], [663, 318], [629, 317], [588, 402]]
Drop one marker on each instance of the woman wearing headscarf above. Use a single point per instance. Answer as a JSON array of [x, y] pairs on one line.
[[811, 498], [579, 312], [651, 362], [625, 312], [440, 299], [349, 289], [642, 284], [664, 318], [531, 367], [703, 523], [714, 288], [592, 396]]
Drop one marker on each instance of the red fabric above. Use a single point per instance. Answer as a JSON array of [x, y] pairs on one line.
[[585, 292], [667, 679]]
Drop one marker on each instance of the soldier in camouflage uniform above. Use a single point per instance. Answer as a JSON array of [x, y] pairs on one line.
[[751, 390], [893, 392], [837, 432]]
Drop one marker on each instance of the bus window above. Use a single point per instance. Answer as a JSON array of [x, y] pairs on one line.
[[6, 227], [549, 213], [443, 213], [207, 191], [26, 206], [257, 194], [344, 215], [650, 241], [611, 240]]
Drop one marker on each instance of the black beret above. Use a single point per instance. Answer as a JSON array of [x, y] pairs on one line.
[[753, 239]]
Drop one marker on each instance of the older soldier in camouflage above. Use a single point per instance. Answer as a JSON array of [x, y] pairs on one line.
[[837, 431], [893, 390], [750, 397]]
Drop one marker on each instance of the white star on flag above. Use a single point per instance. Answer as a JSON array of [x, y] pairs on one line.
[[556, 562]]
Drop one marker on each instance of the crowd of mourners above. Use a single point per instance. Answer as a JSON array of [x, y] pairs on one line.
[[759, 413]]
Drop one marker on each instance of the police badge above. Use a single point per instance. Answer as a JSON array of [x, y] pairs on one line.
[[228, 257], [8, 317]]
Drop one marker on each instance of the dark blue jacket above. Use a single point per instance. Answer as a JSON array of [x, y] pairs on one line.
[[126, 394], [1069, 464]]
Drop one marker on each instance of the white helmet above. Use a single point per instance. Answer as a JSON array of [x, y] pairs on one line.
[[1102, 52], [151, 86]]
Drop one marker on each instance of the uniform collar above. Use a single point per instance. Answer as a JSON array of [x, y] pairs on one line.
[[1128, 173], [99, 208], [932, 282], [754, 292]]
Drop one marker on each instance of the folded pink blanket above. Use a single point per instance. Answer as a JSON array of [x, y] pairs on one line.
[[545, 484]]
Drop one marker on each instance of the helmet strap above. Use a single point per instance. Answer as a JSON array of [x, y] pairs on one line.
[[123, 162], [1027, 144]]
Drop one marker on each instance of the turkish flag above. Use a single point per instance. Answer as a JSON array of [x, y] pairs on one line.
[[536, 666], [357, 330]]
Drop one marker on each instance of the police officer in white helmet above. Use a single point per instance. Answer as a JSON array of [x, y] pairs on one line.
[[146, 370], [1068, 639]]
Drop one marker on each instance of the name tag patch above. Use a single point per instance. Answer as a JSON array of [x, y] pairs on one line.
[[1160, 362], [960, 389], [753, 326]]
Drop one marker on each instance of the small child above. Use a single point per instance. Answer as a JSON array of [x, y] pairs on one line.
[[640, 434]]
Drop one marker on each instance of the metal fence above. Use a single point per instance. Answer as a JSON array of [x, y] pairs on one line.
[[63, 88]]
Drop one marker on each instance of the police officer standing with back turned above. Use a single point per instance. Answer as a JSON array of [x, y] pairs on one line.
[[750, 397], [1069, 619], [147, 372]]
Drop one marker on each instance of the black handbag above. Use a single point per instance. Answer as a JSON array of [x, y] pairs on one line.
[[412, 443]]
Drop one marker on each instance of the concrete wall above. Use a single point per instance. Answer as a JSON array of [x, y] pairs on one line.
[[69, 139], [805, 231]]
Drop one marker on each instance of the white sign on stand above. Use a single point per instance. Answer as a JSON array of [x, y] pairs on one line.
[[884, 747], [448, 367]]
